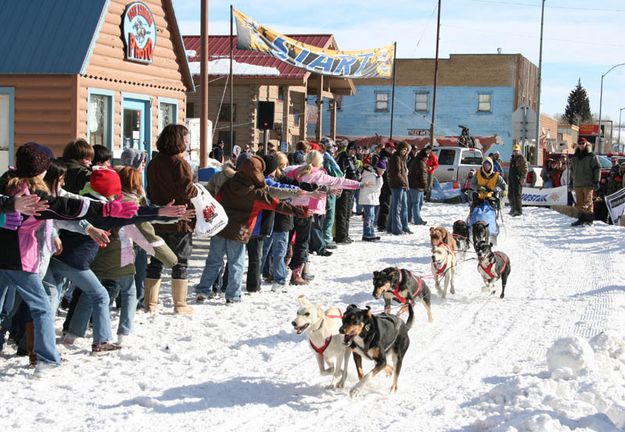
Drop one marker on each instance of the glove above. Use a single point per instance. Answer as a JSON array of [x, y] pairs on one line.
[[119, 209], [597, 186], [11, 220]]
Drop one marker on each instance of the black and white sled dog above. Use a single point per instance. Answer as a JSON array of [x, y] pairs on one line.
[[382, 338], [443, 269], [322, 328], [492, 266], [481, 233], [461, 237]]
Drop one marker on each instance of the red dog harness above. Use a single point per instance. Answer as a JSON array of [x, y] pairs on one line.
[[489, 270], [322, 349], [399, 296]]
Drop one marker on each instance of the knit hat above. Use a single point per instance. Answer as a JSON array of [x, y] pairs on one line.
[[390, 144], [352, 146], [241, 157], [106, 182], [32, 159], [271, 164], [133, 158], [381, 164], [298, 157]]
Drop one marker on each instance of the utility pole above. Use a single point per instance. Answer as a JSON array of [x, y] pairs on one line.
[[438, 30], [540, 67], [204, 84]]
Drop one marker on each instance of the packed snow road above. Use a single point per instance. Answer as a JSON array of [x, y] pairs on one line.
[[480, 365]]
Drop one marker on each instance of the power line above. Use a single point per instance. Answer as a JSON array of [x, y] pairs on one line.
[[548, 6]]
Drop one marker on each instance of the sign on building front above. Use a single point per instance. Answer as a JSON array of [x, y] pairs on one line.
[[418, 132], [139, 33]]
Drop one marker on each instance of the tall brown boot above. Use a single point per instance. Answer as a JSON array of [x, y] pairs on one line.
[[30, 342], [296, 276], [151, 289], [179, 289]]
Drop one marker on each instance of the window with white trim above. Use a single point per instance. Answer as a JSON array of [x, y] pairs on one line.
[[100, 120], [421, 101], [167, 114], [484, 102], [382, 101]]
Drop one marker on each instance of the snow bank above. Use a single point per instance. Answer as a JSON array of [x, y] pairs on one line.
[[570, 356], [582, 391]]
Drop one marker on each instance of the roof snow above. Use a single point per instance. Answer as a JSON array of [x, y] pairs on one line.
[[222, 67]]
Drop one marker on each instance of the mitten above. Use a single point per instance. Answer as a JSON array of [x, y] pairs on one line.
[[11, 220], [119, 209]]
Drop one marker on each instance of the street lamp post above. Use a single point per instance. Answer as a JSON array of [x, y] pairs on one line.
[[620, 111], [599, 148]]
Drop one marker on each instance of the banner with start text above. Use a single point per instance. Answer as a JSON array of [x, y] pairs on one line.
[[373, 63], [544, 197]]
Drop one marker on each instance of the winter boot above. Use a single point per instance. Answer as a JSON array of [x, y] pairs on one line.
[[29, 331], [151, 291], [581, 219], [296, 276], [179, 293], [306, 275], [588, 219]]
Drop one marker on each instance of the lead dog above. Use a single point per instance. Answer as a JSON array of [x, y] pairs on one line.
[[444, 268], [322, 329], [492, 266], [378, 338], [401, 285]]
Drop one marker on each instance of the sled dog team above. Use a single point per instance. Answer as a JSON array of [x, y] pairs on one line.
[[383, 338]]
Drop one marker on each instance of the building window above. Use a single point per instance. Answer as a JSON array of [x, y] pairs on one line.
[[421, 101], [7, 97], [167, 114], [382, 101], [484, 102], [100, 120], [224, 113], [296, 117]]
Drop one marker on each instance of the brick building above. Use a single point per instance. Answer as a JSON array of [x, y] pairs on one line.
[[480, 91]]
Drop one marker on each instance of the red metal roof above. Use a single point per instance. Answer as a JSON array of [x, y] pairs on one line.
[[219, 47]]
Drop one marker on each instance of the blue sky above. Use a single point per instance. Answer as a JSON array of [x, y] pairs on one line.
[[582, 39]]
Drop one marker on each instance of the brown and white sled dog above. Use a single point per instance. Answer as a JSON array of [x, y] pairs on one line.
[[443, 269], [322, 329]]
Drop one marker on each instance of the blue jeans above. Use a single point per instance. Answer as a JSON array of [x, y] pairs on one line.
[[97, 301], [368, 229], [279, 243], [398, 216], [141, 270], [30, 288], [416, 201], [328, 224], [7, 299], [235, 252]]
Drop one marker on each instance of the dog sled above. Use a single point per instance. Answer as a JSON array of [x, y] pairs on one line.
[[486, 212]]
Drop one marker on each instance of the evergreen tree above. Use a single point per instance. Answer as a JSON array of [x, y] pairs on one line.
[[578, 106]]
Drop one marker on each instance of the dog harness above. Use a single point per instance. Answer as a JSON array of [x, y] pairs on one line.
[[322, 349], [440, 271], [396, 293], [489, 270]]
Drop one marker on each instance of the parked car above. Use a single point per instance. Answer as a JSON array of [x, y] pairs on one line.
[[455, 163]]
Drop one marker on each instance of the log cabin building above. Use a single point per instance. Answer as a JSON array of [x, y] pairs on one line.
[[111, 71]]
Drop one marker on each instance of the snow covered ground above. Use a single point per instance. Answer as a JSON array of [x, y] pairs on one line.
[[548, 357]]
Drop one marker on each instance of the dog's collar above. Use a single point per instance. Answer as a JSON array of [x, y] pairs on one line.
[[489, 270], [322, 349]]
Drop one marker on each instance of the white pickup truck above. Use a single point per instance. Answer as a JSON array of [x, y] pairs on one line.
[[455, 162]]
